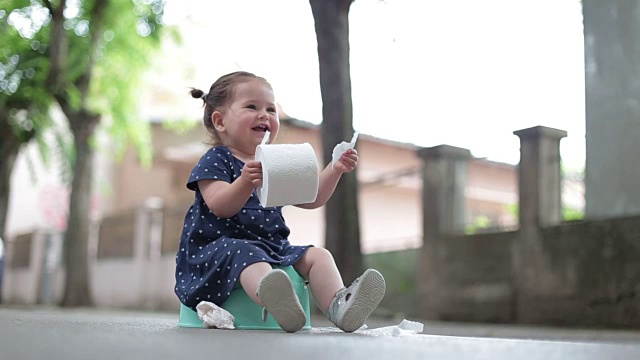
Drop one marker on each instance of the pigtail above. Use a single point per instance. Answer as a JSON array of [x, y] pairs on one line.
[[198, 94]]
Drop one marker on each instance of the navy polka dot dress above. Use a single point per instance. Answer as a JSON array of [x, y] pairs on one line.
[[213, 250]]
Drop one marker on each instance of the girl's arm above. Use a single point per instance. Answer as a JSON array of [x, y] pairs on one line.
[[227, 199], [329, 178]]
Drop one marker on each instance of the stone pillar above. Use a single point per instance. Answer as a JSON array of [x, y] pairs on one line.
[[444, 180], [540, 206], [153, 208], [540, 176], [612, 99]]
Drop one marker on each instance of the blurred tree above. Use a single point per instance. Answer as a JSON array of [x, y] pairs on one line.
[[95, 51], [24, 102], [342, 234]]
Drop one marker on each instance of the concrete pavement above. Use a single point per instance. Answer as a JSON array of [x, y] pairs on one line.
[[52, 333]]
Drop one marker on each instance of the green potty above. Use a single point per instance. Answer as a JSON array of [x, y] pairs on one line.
[[247, 314]]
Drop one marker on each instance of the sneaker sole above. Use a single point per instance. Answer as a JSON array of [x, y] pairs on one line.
[[365, 299], [280, 300]]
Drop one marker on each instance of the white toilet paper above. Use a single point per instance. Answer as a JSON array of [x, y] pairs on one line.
[[213, 316], [341, 148], [289, 174]]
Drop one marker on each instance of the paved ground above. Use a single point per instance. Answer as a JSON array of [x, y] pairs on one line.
[[52, 333]]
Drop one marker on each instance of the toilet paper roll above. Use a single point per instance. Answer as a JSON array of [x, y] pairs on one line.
[[289, 174]]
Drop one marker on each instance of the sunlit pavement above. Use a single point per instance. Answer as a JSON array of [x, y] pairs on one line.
[[51, 333]]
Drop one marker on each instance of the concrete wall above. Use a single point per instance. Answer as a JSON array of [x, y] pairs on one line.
[[135, 283], [595, 266], [39, 279], [612, 79], [474, 279], [143, 279], [399, 270], [588, 275], [548, 272]]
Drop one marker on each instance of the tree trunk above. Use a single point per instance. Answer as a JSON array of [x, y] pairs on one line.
[[83, 124], [58, 47], [342, 234], [9, 148], [76, 241]]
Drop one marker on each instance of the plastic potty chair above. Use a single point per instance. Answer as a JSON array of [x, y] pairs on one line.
[[247, 314]]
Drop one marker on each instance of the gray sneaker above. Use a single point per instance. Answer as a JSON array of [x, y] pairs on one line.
[[352, 306], [280, 299]]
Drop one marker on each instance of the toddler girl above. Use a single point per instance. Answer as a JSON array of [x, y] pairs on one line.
[[229, 237]]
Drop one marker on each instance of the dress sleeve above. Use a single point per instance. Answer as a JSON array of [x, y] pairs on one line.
[[215, 164]]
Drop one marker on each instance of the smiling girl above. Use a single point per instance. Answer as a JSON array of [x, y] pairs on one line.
[[228, 237]]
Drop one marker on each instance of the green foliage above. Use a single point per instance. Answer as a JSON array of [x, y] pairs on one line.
[[480, 222], [129, 36], [569, 214], [399, 270], [24, 101], [513, 209]]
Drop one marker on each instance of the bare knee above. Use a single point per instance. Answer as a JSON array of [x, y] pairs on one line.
[[316, 254], [312, 256], [250, 279]]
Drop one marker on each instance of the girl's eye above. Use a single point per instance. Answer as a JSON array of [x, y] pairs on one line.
[[251, 107], [271, 110]]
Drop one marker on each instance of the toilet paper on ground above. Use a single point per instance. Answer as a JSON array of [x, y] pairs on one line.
[[289, 174], [213, 316], [341, 148], [405, 328]]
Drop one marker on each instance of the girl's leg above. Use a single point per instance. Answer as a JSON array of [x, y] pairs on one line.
[[348, 308], [272, 289], [250, 279], [319, 268]]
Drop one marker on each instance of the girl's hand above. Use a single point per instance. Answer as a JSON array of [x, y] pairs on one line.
[[252, 173], [348, 161]]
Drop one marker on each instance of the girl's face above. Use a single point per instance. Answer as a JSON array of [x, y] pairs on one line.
[[243, 122]]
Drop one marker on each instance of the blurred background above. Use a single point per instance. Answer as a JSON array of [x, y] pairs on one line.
[[496, 180]]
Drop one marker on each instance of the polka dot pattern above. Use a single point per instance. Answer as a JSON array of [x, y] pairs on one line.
[[213, 250]]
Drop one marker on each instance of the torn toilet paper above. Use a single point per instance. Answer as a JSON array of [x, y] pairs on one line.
[[266, 137], [341, 148], [213, 316], [406, 327]]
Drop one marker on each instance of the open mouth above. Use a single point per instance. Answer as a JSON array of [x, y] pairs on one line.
[[261, 128]]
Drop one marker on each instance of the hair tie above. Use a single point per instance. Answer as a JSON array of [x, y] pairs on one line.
[[204, 96]]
